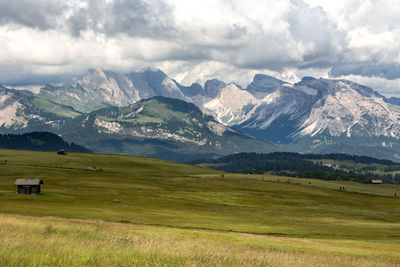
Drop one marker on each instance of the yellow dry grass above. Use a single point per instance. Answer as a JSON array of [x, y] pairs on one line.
[[50, 241]]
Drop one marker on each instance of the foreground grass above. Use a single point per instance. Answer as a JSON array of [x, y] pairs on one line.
[[30, 241], [175, 214]]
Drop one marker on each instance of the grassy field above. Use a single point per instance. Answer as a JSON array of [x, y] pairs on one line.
[[174, 214]]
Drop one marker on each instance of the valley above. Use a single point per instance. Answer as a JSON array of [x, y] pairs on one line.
[[166, 209]]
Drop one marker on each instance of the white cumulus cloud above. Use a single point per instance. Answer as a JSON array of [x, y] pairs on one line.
[[193, 41]]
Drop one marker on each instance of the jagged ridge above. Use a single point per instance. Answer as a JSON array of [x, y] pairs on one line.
[[313, 113]]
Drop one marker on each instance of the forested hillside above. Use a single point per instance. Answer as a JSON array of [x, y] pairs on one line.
[[39, 141], [320, 166]]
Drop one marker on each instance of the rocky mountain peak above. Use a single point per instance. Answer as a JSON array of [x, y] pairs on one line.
[[263, 77], [213, 87], [155, 76], [94, 78], [331, 86], [263, 85], [192, 91], [313, 109], [94, 75], [305, 80]]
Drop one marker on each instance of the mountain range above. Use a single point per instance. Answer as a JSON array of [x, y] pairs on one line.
[[313, 115], [160, 127]]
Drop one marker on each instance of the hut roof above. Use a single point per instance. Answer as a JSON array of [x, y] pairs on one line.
[[28, 181], [375, 181]]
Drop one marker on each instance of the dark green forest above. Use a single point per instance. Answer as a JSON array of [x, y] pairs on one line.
[[344, 167], [38, 141]]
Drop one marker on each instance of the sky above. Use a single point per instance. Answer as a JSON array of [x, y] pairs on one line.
[[193, 41]]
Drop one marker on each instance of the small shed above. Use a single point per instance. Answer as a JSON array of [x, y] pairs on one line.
[[28, 186], [375, 181], [61, 152]]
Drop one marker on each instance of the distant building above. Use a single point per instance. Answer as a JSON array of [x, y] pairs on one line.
[[29, 186], [61, 152], [375, 181]]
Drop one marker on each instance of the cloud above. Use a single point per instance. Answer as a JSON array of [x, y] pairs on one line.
[[388, 71], [373, 31], [197, 40], [40, 14], [130, 17]]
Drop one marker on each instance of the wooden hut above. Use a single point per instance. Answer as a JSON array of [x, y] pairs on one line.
[[375, 181], [28, 186], [61, 152]]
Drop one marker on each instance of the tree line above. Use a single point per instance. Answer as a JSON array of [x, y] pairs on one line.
[[301, 165]]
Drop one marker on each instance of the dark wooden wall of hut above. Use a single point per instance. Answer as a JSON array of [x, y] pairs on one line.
[[29, 189]]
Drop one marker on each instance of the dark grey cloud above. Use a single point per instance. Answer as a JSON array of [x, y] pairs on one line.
[[18, 75], [130, 17], [41, 14], [236, 31], [368, 69], [310, 39], [135, 17]]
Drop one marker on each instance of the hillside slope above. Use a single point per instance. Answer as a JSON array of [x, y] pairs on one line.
[[23, 111], [160, 127]]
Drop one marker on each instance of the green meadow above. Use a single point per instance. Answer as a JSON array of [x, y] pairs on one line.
[[149, 212]]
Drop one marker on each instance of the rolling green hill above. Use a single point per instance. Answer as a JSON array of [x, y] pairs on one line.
[[159, 127], [144, 211]]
